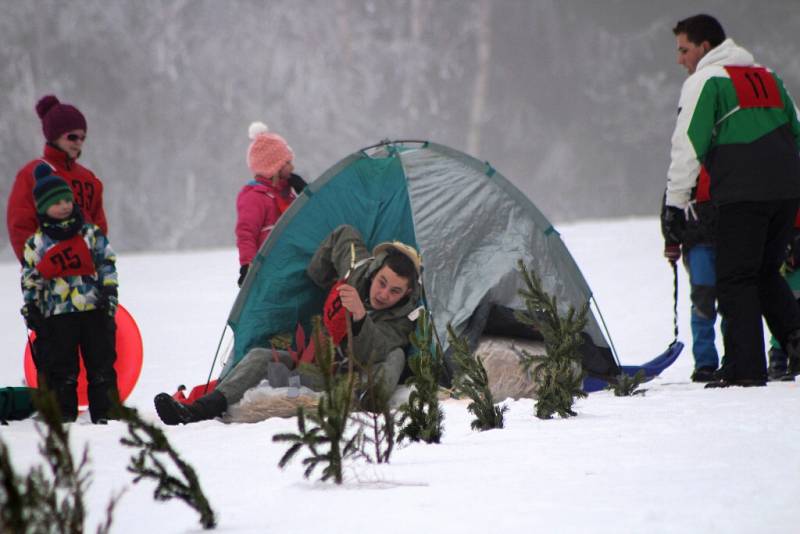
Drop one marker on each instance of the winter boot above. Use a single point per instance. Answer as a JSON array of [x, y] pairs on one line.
[[103, 401], [741, 382], [778, 366], [703, 374], [793, 352], [67, 396], [173, 412]]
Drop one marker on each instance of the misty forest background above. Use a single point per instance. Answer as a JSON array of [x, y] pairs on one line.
[[574, 101]]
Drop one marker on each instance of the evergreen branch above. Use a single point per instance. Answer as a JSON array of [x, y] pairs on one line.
[[330, 421], [628, 386], [152, 442], [422, 416], [559, 373], [41, 504], [377, 424], [473, 382]]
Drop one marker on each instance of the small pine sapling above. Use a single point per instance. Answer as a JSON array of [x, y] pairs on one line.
[[473, 382], [54, 503], [627, 385], [559, 373], [326, 438], [422, 417], [378, 421], [153, 446]]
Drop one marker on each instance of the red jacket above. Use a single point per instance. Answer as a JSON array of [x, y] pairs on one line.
[[21, 212], [259, 205]]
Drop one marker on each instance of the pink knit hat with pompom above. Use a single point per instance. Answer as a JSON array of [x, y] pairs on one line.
[[268, 152]]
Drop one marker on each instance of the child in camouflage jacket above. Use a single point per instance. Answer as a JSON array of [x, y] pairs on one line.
[[69, 284]]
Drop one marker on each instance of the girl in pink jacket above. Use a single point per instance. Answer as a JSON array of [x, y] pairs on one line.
[[262, 200]]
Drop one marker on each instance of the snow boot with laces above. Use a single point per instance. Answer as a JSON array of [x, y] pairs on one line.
[[793, 353], [206, 407]]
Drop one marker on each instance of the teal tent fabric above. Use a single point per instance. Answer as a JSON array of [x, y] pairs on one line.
[[470, 224], [367, 193]]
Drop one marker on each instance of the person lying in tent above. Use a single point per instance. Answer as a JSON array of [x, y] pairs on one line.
[[380, 291]]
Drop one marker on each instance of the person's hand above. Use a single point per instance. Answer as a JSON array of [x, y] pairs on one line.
[[34, 319], [672, 252], [243, 273], [108, 300], [793, 253], [673, 223], [352, 301]]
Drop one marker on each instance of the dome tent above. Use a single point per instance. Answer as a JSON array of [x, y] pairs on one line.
[[470, 224]]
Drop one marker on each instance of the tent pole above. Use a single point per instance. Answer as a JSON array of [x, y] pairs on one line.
[[214, 362], [608, 334]]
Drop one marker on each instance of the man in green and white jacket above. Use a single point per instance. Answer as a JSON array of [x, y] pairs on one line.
[[736, 143]]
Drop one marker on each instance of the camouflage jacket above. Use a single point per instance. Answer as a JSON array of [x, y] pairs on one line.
[[77, 280]]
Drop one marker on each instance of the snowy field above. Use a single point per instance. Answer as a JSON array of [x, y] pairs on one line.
[[679, 459]]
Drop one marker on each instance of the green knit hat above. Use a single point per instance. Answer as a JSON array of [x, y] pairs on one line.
[[49, 189]]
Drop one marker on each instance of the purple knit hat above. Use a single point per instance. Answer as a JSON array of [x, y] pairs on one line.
[[58, 118]]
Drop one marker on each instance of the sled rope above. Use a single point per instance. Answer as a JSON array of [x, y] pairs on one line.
[[675, 299], [33, 355]]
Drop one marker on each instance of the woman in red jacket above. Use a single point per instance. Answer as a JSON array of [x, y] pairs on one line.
[[64, 128]]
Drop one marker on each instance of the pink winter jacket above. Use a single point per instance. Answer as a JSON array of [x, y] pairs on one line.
[[258, 207]]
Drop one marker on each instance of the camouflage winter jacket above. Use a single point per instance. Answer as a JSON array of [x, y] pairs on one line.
[[380, 331], [68, 276]]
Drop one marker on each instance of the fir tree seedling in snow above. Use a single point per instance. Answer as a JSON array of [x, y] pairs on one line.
[[153, 446], [422, 417], [54, 503], [559, 373], [627, 386], [326, 437], [473, 382], [378, 421]]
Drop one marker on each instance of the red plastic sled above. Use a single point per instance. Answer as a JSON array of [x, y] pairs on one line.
[[128, 365], [196, 393]]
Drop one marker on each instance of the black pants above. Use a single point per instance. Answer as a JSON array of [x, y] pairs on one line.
[[751, 246], [94, 332]]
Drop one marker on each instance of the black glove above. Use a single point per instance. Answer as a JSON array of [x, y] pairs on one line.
[[33, 317], [108, 300], [672, 252], [793, 252], [673, 224], [297, 183], [242, 273]]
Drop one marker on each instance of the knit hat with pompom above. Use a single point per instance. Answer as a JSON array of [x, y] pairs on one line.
[[49, 189], [57, 118], [268, 151]]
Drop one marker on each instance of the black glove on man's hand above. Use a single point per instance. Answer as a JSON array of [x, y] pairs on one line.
[[673, 223], [672, 252], [242, 273], [33, 317]]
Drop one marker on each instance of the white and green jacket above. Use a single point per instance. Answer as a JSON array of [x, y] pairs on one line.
[[737, 132]]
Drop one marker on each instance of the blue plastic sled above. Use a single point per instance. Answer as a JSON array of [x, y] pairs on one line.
[[651, 369]]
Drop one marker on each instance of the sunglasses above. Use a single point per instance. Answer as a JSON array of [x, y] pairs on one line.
[[75, 137]]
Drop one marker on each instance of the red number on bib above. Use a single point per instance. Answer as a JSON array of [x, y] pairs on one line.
[[755, 87]]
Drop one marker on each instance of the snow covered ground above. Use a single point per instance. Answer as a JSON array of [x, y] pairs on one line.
[[679, 459]]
